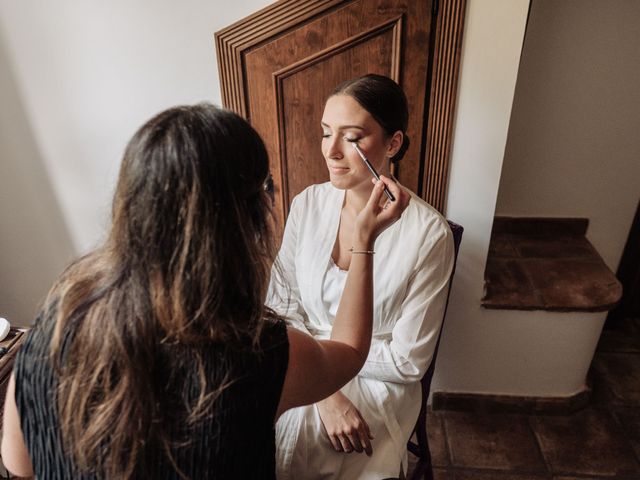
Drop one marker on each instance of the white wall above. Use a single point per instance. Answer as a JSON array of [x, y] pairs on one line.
[[90, 72], [479, 352], [572, 149], [34, 242], [574, 146], [77, 77]]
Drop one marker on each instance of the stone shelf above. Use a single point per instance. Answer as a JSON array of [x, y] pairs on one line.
[[547, 264]]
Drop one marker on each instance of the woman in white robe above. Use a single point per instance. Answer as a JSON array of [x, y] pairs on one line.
[[412, 266]]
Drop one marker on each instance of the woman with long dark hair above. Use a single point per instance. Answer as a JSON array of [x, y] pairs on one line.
[[154, 356], [375, 413]]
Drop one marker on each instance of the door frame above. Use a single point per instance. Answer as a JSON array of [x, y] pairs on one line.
[[629, 275]]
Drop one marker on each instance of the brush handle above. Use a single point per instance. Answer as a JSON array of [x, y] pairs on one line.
[[373, 171], [389, 194]]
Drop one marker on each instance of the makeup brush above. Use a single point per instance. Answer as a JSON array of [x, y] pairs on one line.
[[370, 167]]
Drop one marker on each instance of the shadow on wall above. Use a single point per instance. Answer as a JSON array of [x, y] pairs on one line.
[[35, 244]]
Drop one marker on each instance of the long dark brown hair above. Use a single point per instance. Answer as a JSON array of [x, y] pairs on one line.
[[187, 262]]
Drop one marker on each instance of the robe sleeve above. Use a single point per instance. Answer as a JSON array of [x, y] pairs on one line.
[[406, 356], [283, 294]]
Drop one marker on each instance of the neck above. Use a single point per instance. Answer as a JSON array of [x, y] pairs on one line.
[[355, 200]]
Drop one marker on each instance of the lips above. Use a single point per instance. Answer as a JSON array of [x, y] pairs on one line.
[[338, 170]]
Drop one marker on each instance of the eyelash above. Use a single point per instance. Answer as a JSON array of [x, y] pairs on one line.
[[346, 137]]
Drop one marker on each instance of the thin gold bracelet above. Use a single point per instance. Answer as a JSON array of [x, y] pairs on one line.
[[363, 252]]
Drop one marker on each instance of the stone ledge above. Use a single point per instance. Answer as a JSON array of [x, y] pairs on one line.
[[547, 264]]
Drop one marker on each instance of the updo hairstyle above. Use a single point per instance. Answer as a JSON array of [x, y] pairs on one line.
[[385, 100]]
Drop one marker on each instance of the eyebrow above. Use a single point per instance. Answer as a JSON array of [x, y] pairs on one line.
[[343, 127]]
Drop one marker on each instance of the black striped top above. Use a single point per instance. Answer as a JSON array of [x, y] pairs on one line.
[[236, 441]]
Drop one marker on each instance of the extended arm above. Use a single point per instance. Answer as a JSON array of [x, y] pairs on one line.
[[319, 368], [404, 357]]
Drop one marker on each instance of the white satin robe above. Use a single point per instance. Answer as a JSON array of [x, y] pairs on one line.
[[412, 267]]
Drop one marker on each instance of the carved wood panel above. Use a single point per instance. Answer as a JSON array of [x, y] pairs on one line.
[[278, 66], [298, 120]]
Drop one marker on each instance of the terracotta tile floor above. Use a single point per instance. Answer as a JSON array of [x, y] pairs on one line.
[[598, 442]]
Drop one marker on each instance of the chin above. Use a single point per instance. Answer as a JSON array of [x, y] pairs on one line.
[[340, 182], [349, 182], [337, 183]]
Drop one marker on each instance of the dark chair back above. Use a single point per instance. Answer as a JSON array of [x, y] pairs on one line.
[[424, 467]]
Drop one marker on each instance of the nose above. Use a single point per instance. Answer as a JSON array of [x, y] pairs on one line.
[[334, 147]]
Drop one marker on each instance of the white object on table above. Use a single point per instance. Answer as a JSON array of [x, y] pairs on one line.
[[5, 326]]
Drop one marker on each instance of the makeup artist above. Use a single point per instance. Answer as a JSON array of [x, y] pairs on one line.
[[361, 431], [154, 356]]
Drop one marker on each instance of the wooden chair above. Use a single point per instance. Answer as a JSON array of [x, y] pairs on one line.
[[420, 449]]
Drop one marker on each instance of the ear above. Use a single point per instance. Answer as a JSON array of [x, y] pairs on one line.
[[395, 143]]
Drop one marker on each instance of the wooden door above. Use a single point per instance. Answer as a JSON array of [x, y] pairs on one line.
[[278, 66]]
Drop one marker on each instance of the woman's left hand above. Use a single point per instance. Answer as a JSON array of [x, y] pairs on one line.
[[380, 213], [345, 427]]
